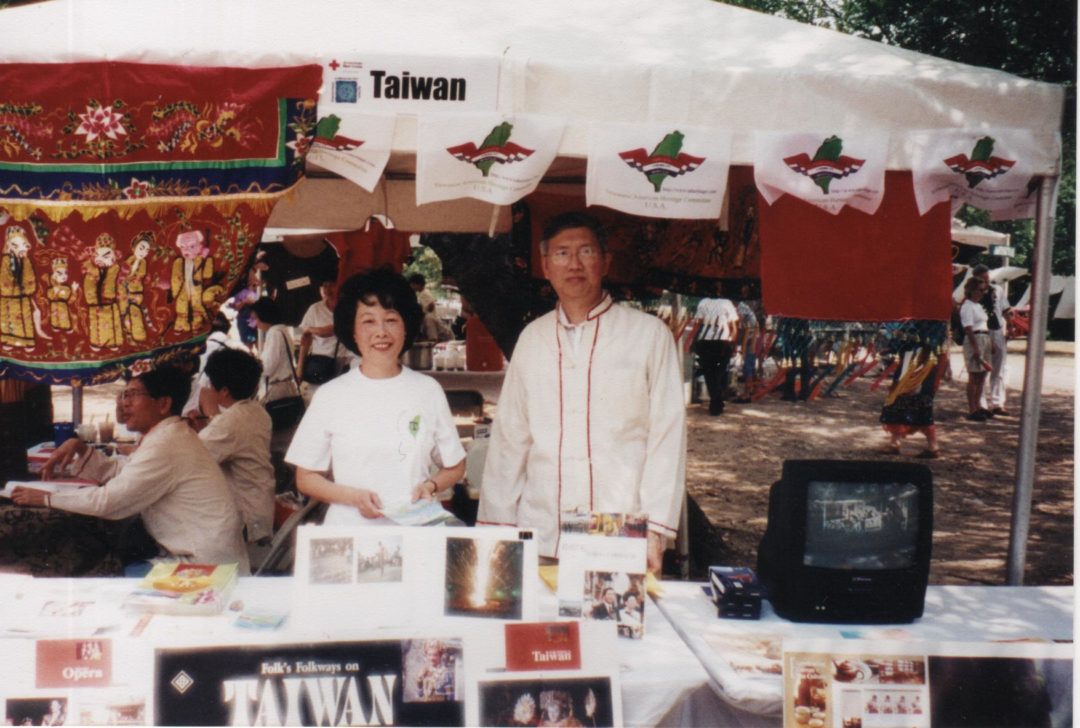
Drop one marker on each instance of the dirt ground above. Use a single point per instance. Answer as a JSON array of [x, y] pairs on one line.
[[734, 458]]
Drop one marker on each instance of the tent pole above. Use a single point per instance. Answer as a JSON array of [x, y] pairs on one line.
[[76, 402], [1033, 371]]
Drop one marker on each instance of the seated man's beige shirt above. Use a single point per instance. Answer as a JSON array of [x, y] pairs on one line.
[[172, 481], [239, 440]]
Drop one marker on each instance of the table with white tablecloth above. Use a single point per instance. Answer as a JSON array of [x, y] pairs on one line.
[[952, 614], [662, 681]]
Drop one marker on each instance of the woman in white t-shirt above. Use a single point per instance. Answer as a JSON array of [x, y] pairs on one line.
[[976, 344], [369, 440]]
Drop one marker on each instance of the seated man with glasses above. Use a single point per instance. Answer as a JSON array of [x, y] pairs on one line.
[[171, 479], [591, 412]]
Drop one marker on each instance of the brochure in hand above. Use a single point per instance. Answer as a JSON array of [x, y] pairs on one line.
[[181, 588]]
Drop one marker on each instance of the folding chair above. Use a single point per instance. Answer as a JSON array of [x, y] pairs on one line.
[[279, 559]]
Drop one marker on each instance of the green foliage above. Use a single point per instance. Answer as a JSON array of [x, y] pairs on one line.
[[1033, 40], [426, 262]]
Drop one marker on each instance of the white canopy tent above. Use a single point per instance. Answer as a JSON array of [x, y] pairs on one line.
[[976, 235], [692, 62]]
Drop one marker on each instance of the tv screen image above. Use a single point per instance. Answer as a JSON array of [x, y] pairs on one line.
[[869, 526], [848, 541]]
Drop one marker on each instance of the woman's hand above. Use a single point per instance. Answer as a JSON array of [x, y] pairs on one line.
[[29, 496], [425, 491], [62, 457], [368, 503]]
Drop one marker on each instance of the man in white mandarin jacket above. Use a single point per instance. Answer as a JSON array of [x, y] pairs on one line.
[[591, 411]]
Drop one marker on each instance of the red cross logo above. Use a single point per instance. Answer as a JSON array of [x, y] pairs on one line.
[[334, 65]]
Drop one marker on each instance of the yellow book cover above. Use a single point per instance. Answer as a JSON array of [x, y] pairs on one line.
[[182, 588]]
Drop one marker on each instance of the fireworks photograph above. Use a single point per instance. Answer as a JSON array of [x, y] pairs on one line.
[[484, 578]]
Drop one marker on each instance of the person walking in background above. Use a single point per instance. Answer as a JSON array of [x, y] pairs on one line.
[[976, 346], [998, 313], [909, 406], [749, 332], [715, 346]]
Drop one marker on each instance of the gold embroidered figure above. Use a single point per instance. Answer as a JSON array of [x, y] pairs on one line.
[[59, 294], [17, 285], [191, 274], [132, 293], [101, 291]]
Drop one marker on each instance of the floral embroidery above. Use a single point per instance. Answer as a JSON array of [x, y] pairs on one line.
[[137, 189], [100, 120]]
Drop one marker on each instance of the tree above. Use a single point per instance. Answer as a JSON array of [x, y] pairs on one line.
[[426, 262], [1033, 40]]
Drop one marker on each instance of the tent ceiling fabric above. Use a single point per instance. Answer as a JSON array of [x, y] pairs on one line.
[[680, 61], [340, 205]]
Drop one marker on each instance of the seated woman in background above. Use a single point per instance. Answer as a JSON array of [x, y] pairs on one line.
[[379, 427]]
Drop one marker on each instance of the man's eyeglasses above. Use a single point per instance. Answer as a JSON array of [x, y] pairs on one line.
[[129, 394], [585, 254]]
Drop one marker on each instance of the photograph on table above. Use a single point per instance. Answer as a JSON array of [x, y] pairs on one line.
[[1023, 684], [594, 523], [543, 700], [359, 682], [618, 597], [379, 558], [915, 684], [397, 576], [433, 671], [108, 708], [331, 561], [484, 578], [602, 569], [807, 700], [752, 656], [36, 711]]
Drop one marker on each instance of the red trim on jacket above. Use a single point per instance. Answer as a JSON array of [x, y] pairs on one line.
[[558, 493]]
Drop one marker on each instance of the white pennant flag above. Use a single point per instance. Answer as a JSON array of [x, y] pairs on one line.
[[826, 170], [658, 170], [497, 158], [991, 170], [354, 145]]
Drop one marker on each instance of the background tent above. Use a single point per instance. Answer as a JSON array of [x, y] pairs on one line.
[[685, 62]]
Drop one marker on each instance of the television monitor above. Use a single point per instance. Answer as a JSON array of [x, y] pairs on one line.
[[848, 541]]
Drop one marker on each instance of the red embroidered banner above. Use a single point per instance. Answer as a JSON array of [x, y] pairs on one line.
[[131, 197], [83, 297], [889, 266]]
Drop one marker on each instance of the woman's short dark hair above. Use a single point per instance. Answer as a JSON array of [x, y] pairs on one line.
[[168, 381], [385, 287], [234, 370], [267, 311], [971, 284], [570, 221]]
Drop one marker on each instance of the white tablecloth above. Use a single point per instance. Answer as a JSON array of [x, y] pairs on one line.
[[663, 682], [953, 613]]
